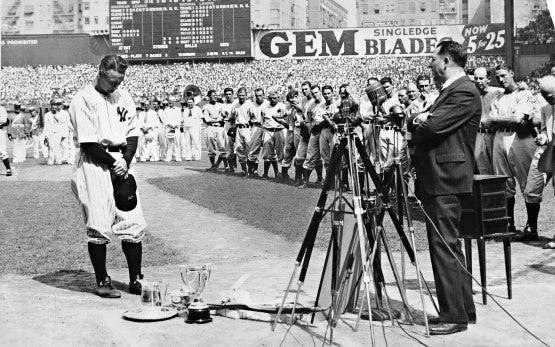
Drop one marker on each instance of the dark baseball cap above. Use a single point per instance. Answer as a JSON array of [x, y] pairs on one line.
[[125, 192]]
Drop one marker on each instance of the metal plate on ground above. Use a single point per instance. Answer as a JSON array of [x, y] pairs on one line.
[[150, 314]]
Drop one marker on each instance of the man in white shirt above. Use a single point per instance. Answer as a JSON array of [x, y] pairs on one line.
[[55, 131], [149, 127], [192, 119], [172, 124]]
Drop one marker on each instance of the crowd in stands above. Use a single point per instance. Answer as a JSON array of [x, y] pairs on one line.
[[36, 85], [538, 31]]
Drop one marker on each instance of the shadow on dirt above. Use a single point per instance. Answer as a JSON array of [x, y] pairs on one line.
[[75, 280]]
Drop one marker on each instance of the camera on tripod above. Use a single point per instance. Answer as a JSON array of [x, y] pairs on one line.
[[346, 118]]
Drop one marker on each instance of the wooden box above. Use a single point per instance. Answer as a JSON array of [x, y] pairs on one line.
[[485, 214]]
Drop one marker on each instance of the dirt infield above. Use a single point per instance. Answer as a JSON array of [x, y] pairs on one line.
[[58, 308]]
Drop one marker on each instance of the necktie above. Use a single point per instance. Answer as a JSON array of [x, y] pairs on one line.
[[190, 112]]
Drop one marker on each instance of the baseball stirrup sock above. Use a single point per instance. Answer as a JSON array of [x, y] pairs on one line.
[[275, 167], [319, 172], [7, 163], [533, 210], [211, 161], [298, 172], [244, 167], [134, 254], [511, 210], [97, 253], [266, 167], [306, 174], [284, 171]]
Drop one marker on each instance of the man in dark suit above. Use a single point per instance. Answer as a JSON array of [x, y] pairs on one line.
[[444, 139]]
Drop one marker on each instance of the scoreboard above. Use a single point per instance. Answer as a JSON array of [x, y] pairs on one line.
[[180, 29]]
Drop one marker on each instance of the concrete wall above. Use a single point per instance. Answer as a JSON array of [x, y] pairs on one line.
[[70, 49]]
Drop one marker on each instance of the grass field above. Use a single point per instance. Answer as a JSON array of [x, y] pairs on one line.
[[41, 230], [279, 208], [41, 227]]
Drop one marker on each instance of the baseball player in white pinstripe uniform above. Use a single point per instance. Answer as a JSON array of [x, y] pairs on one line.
[[4, 139], [513, 114], [106, 127]]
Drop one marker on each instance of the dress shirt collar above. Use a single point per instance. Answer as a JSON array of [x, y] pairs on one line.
[[452, 79]]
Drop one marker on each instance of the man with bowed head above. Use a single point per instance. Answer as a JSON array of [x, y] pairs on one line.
[[107, 129], [444, 141]]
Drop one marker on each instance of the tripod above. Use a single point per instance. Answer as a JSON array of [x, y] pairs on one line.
[[369, 230]]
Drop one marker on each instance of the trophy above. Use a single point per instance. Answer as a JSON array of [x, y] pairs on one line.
[[195, 278]]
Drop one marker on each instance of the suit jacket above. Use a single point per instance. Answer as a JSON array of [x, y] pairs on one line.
[[444, 143]]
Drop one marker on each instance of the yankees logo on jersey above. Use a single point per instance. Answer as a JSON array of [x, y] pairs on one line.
[[122, 113]]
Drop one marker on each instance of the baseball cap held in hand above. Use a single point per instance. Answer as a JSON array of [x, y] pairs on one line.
[[125, 192]]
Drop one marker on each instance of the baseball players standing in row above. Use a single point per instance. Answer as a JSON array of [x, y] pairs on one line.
[[215, 134], [294, 116], [227, 108], [260, 103], [273, 138], [514, 114], [316, 118], [483, 151], [241, 115], [107, 129]]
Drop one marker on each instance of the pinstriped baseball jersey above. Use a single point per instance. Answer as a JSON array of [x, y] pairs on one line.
[[106, 119]]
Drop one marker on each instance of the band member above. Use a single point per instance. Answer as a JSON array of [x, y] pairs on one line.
[[68, 146], [514, 114], [227, 107], [149, 128], [258, 107], [159, 115], [241, 117], [444, 138], [483, 152], [172, 127], [36, 134], [140, 109], [192, 120], [273, 140], [55, 130], [20, 132], [547, 88], [4, 121], [215, 137]]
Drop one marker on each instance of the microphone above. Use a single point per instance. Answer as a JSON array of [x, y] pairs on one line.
[[376, 93]]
